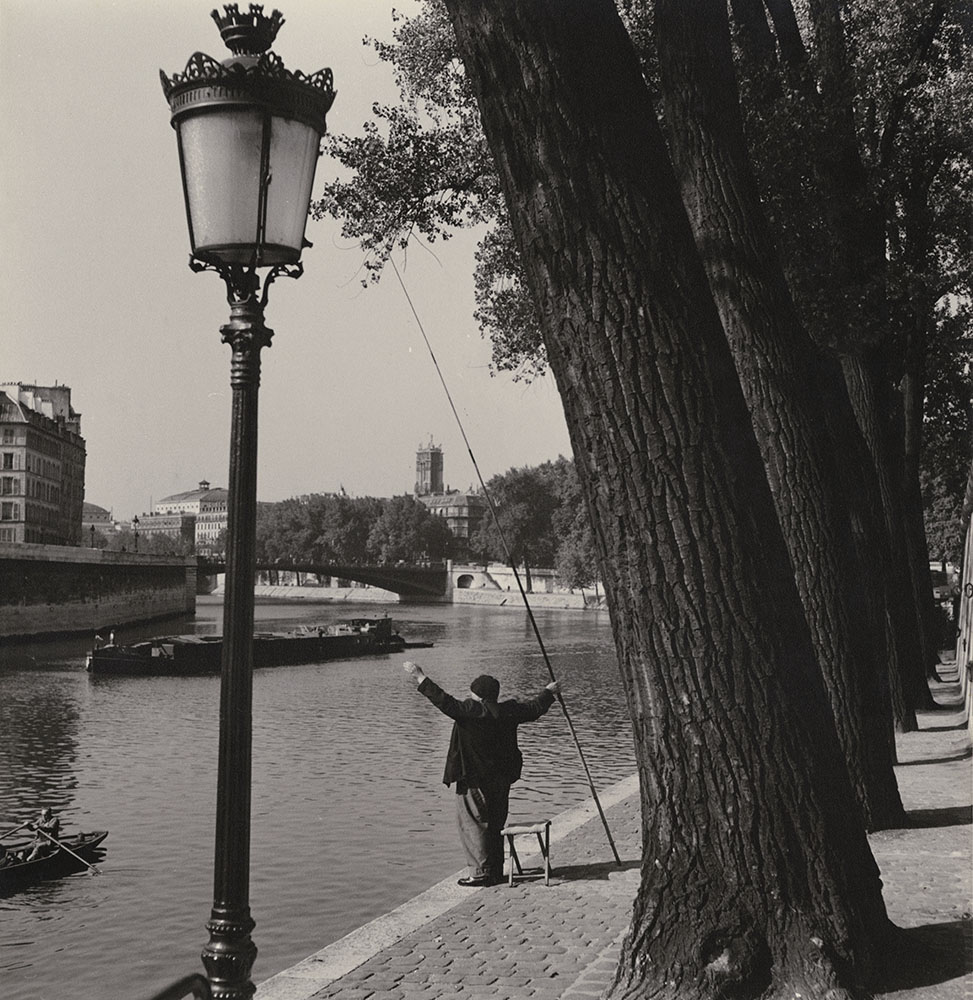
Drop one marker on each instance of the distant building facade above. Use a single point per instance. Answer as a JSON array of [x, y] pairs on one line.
[[95, 519], [198, 515], [462, 512], [178, 526], [42, 462], [93, 516]]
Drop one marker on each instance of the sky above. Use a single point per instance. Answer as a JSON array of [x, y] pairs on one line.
[[97, 293]]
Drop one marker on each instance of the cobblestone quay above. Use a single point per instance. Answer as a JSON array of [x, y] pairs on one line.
[[560, 942]]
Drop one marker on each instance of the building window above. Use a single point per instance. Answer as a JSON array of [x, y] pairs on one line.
[[8, 459], [9, 512]]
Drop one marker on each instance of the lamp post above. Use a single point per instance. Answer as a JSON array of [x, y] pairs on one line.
[[248, 133], [135, 528], [92, 536]]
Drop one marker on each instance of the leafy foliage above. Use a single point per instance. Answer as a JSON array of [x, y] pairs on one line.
[[154, 543], [421, 169], [859, 132], [504, 310], [543, 522], [337, 529], [539, 508], [948, 431], [524, 502], [405, 530]]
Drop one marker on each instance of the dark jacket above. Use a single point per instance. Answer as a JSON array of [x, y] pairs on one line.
[[483, 748]]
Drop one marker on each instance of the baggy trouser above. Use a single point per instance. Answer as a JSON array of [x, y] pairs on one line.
[[481, 813]]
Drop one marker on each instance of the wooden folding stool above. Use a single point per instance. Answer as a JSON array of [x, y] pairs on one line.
[[542, 828]]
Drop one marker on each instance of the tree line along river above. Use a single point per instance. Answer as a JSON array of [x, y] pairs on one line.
[[350, 816]]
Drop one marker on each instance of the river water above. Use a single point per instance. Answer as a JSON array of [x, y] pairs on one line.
[[350, 816]]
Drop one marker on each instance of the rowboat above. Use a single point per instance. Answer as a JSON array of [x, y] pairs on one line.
[[17, 873]]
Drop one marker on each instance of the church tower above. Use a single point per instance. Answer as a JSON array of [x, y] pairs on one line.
[[429, 470]]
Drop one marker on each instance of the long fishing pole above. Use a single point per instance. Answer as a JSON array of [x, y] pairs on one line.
[[506, 549]]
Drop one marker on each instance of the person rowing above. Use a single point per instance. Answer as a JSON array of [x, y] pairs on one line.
[[47, 823]]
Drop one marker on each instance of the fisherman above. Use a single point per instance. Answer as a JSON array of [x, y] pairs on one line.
[[483, 761], [46, 823]]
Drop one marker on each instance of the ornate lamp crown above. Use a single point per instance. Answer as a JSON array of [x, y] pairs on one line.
[[248, 34], [256, 69]]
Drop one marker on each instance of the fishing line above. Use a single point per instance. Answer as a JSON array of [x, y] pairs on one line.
[[510, 560]]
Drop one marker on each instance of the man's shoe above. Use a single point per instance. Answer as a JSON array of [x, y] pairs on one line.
[[477, 880]]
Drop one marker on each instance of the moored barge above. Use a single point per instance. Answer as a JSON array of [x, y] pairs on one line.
[[202, 654]]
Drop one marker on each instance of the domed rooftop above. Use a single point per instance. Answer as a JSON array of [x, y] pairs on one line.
[[202, 492]]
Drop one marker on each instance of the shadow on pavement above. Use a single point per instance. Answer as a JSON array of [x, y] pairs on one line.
[[920, 819], [937, 760], [927, 956], [593, 872]]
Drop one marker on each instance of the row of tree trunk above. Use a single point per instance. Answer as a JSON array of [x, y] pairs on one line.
[[748, 510]]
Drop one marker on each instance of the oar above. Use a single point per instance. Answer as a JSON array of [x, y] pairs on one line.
[[64, 847], [3, 836]]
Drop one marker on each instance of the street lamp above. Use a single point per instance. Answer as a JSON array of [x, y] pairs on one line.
[[135, 528], [248, 133]]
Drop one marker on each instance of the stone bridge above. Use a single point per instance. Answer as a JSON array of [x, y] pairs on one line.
[[416, 581]]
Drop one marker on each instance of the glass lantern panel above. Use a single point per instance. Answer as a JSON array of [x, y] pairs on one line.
[[293, 158], [221, 164]]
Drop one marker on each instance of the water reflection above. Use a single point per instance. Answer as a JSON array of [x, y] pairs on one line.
[[39, 724], [350, 817]]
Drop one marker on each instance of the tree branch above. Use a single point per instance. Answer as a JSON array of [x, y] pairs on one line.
[[924, 39]]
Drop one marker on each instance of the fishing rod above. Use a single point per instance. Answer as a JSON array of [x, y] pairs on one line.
[[506, 549]]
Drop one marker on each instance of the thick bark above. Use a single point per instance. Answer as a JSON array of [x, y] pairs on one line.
[[757, 878], [867, 383], [789, 387], [844, 302]]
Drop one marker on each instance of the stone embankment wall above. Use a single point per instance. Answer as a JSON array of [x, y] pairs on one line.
[[496, 585], [48, 590]]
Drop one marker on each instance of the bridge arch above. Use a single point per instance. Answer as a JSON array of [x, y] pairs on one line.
[[416, 581]]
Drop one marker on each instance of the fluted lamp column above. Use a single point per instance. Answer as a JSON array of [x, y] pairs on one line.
[[248, 133]]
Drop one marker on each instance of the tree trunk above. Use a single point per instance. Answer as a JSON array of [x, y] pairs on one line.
[[757, 877], [838, 255], [789, 387], [867, 385], [912, 405], [915, 312]]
